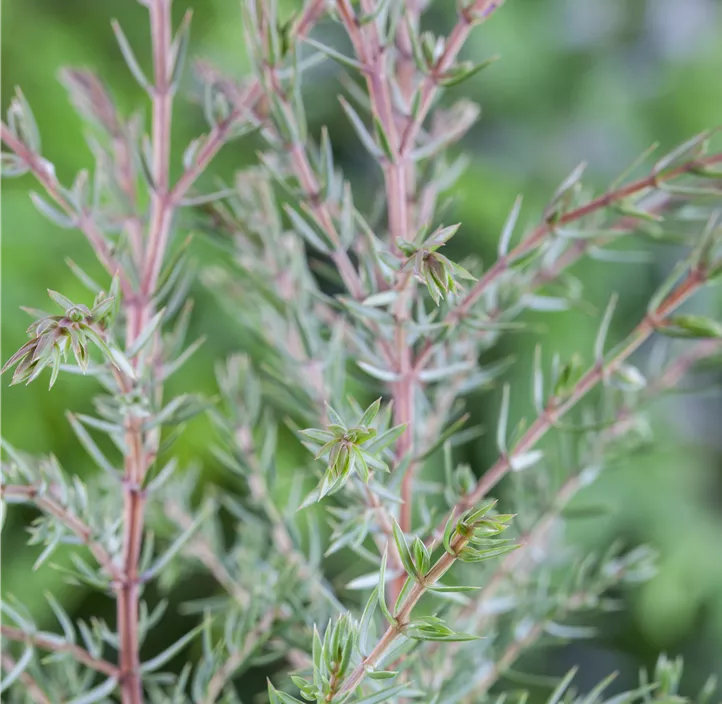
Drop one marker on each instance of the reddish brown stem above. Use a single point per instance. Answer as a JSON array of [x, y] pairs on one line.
[[366, 42], [400, 184], [39, 640], [51, 506], [47, 179], [483, 9], [575, 252], [557, 408], [32, 687], [128, 592], [140, 311], [538, 429], [225, 672], [401, 619], [669, 379], [213, 142], [539, 234]]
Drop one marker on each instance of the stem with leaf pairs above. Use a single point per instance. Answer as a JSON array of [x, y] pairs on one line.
[[33, 688], [554, 411], [164, 200], [604, 201], [518, 565], [143, 446], [398, 134], [139, 307], [44, 499], [399, 138], [598, 373], [50, 643], [397, 178], [45, 175], [546, 230]]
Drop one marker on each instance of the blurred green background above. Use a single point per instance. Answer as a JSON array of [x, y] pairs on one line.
[[594, 80]]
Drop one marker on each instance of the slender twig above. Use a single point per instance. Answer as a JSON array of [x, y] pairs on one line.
[[397, 178], [669, 379], [33, 688], [540, 233], [125, 578], [480, 10], [675, 372], [217, 137], [201, 549], [518, 563], [212, 143], [596, 374], [658, 203], [140, 310], [401, 99], [401, 190], [255, 638], [53, 644], [139, 306], [554, 411], [301, 165], [310, 186], [510, 565], [577, 249], [51, 506], [513, 650], [46, 177]]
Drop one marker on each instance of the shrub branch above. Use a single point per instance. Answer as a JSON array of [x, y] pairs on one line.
[[39, 640], [537, 430]]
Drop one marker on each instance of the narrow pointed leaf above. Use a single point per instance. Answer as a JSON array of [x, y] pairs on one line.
[[52, 213], [176, 546], [337, 56], [18, 669], [162, 658], [90, 446], [146, 334], [363, 134], [97, 694], [508, 229], [129, 56], [403, 549]]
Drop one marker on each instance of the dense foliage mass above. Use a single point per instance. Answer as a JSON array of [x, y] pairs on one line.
[[347, 303]]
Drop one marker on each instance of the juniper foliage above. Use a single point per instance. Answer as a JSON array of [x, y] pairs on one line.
[[343, 304]]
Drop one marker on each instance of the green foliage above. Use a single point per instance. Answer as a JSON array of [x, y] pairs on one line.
[[52, 336], [338, 294], [351, 449]]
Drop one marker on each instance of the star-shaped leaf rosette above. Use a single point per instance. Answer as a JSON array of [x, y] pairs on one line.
[[53, 336], [351, 448], [437, 272]]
